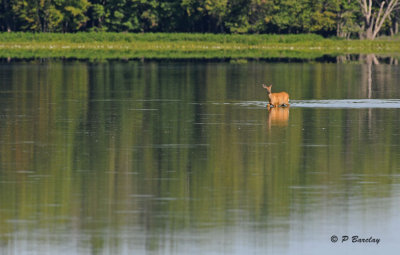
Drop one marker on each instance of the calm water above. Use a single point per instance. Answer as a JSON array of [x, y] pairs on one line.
[[184, 158]]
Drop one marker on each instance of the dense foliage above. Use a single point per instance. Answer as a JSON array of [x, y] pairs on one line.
[[342, 18]]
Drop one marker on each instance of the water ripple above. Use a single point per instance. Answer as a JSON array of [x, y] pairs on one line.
[[333, 103], [348, 103]]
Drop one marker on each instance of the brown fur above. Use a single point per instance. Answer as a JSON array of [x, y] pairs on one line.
[[276, 99]]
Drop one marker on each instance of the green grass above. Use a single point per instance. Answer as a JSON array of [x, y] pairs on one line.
[[163, 45], [154, 37]]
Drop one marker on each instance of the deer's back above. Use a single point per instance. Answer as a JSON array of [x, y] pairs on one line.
[[279, 98]]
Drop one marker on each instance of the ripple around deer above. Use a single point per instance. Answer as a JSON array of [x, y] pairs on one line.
[[333, 103]]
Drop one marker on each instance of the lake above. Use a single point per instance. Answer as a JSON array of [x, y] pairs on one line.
[[183, 157]]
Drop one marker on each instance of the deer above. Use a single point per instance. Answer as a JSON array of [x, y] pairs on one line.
[[276, 99]]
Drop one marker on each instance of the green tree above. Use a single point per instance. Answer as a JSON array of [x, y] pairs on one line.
[[37, 16], [194, 19], [54, 19], [217, 11], [248, 16], [6, 14], [346, 18], [208, 15], [114, 15], [132, 15], [342, 18], [323, 16], [73, 13], [304, 16], [143, 15], [171, 17], [96, 15], [27, 15]]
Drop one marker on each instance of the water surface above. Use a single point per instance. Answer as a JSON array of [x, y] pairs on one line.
[[180, 157]]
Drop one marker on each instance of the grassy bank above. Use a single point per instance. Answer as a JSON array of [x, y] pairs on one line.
[[161, 45]]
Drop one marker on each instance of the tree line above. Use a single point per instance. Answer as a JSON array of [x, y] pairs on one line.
[[342, 18]]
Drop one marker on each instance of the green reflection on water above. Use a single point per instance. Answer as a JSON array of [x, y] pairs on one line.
[[142, 153]]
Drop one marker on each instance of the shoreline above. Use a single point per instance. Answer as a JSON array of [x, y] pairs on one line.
[[184, 46]]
